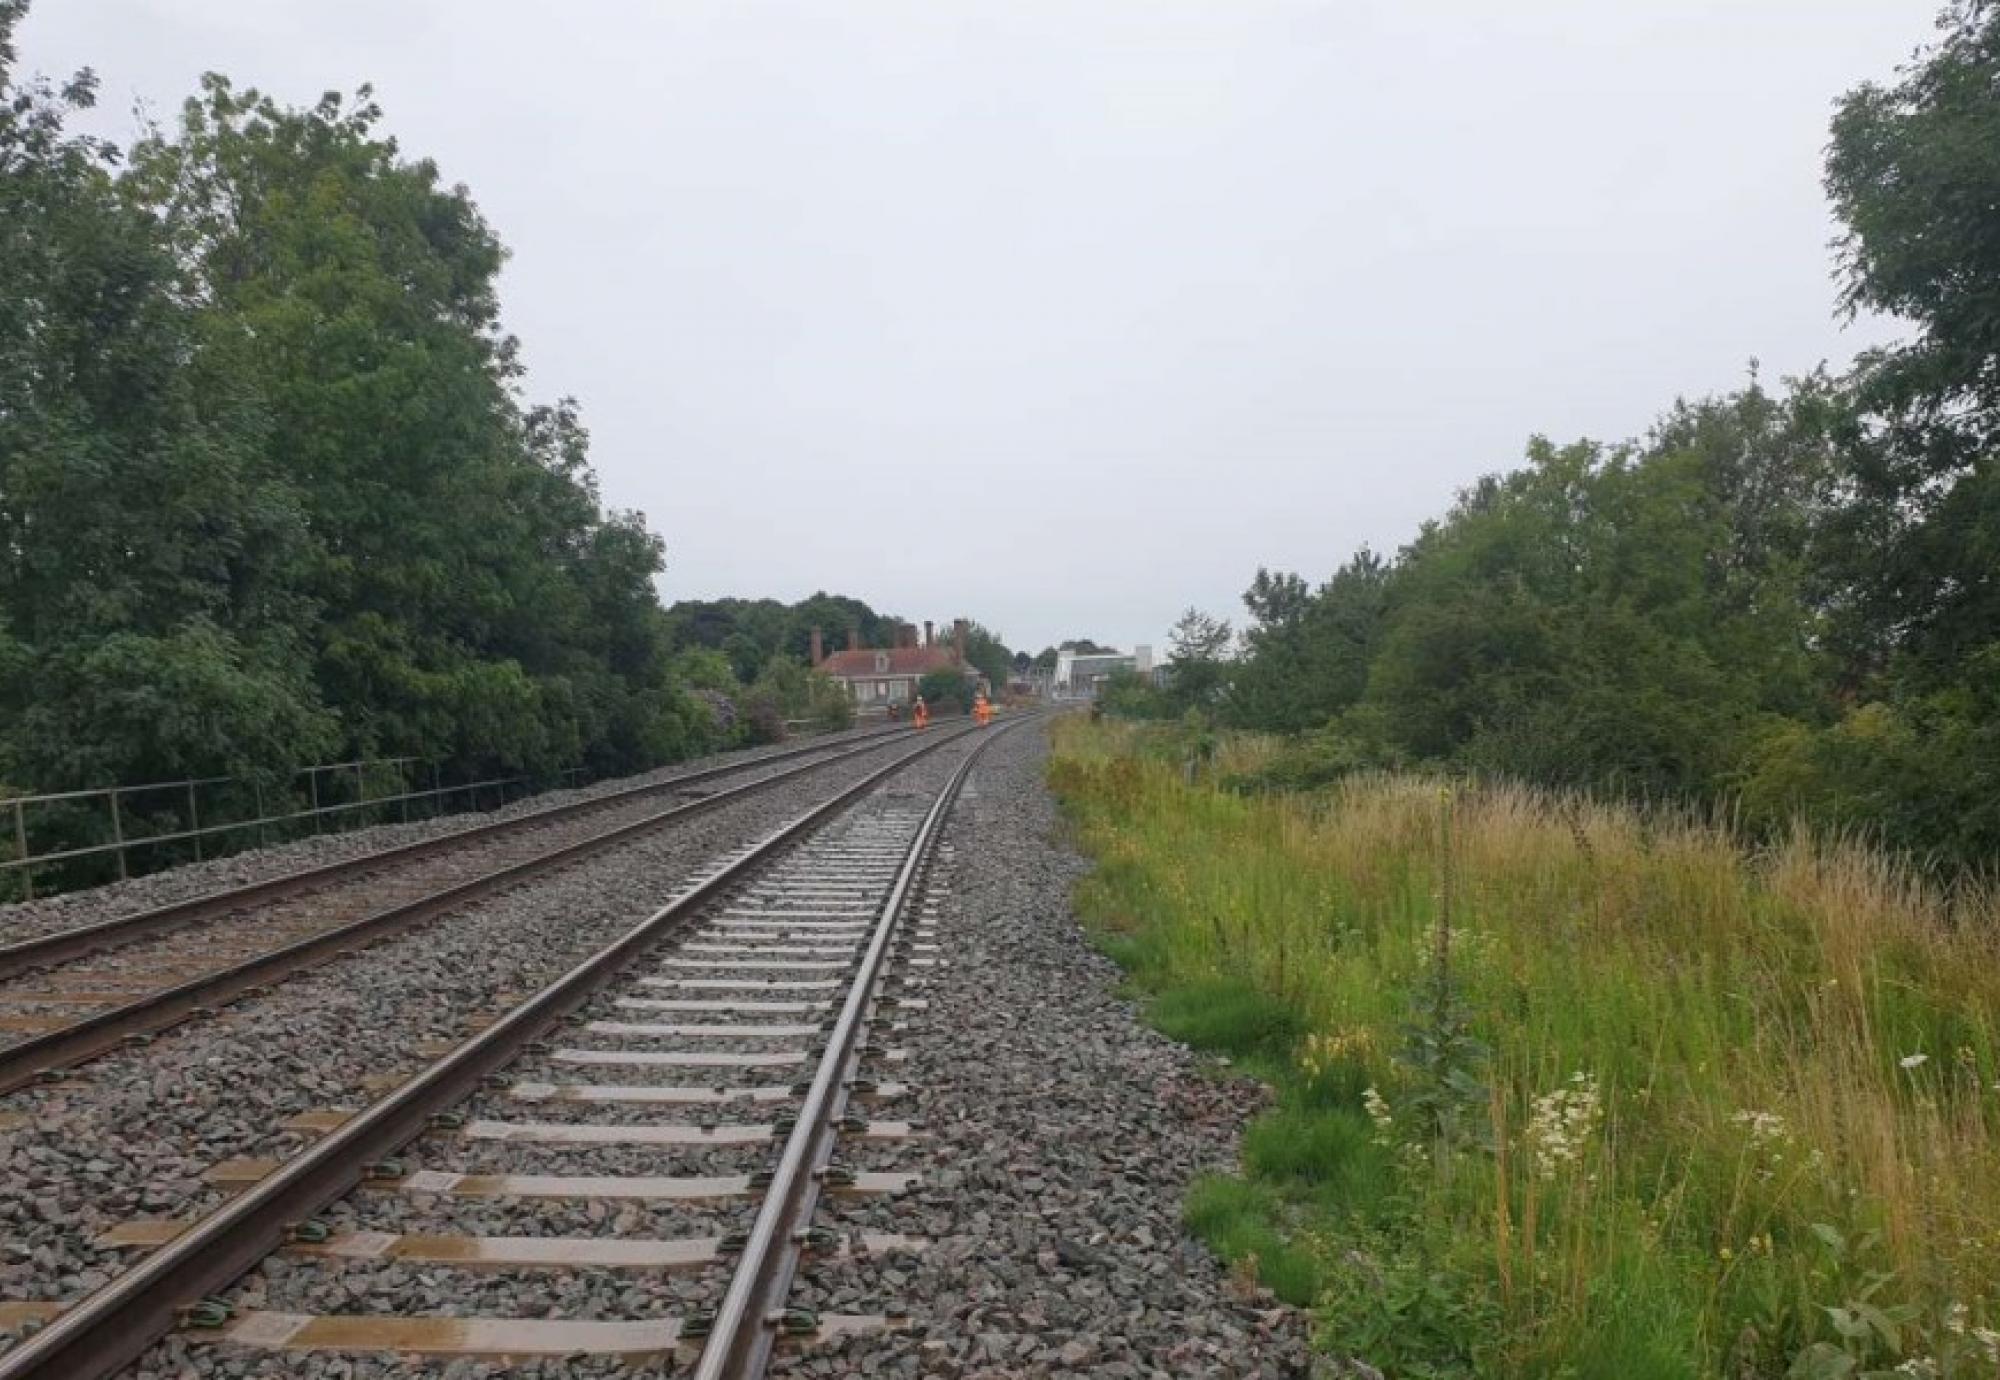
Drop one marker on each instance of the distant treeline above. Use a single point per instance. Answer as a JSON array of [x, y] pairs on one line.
[[1787, 598], [270, 493], [747, 633]]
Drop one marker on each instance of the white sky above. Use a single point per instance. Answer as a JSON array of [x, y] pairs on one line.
[[1068, 313]]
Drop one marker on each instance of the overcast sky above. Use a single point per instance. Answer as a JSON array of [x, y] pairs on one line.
[[1068, 313]]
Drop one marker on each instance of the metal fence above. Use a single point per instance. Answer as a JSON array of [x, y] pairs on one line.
[[75, 838]]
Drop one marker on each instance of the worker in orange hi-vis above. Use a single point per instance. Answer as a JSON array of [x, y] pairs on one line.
[[982, 711], [921, 715]]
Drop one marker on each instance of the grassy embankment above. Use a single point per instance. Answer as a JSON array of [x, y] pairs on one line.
[[1677, 1109]]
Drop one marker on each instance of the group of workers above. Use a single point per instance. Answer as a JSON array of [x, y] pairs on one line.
[[982, 711]]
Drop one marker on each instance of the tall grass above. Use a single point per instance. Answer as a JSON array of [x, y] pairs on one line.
[[1734, 1113]]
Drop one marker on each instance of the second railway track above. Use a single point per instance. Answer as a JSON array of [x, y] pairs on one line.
[[725, 1037], [76, 994]]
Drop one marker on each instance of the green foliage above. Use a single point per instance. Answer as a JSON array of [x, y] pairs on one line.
[[1227, 1016], [1670, 618], [1307, 652], [945, 692], [1130, 695], [1240, 1222], [749, 632], [1197, 653], [269, 492], [832, 708], [149, 704], [1581, 1101], [987, 654], [1785, 597], [1307, 761]]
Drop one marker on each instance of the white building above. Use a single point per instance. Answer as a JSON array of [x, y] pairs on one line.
[[1079, 674]]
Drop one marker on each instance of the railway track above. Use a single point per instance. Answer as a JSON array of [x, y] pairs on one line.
[[76, 994], [732, 1037]]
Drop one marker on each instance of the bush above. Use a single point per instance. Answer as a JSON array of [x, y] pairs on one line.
[[763, 720], [946, 692], [832, 708], [834, 713], [1130, 695], [1312, 760]]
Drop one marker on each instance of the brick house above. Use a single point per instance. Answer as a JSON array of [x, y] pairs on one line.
[[878, 677]]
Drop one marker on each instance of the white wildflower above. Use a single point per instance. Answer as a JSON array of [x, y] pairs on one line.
[[1914, 1061], [1956, 1318], [1562, 1124], [1921, 1366], [1765, 1128], [1767, 1139], [1989, 1339], [1378, 1112]]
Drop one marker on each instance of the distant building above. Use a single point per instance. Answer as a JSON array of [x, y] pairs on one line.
[[1079, 675], [1032, 683], [878, 677]]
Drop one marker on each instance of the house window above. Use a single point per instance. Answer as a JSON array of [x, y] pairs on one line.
[[881, 663]]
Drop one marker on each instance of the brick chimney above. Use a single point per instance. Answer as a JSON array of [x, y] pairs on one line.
[[930, 639], [854, 639], [819, 648], [958, 639]]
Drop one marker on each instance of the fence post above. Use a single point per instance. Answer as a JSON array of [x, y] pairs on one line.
[[194, 821], [118, 834], [312, 780], [21, 842]]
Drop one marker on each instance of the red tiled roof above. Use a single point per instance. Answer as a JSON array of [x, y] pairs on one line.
[[903, 661]]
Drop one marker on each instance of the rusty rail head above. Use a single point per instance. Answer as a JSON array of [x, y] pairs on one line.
[[745, 1326], [64, 945], [113, 1327]]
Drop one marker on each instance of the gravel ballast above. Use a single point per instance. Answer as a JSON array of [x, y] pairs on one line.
[[134, 1133], [1061, 1136]]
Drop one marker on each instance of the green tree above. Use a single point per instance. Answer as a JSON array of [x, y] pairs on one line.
[[1912, 170], [150, 557], [1627, 616], [473, 600], [1196, 659], [1307, 652], [1133, 696], [946, 692], [987, 654]]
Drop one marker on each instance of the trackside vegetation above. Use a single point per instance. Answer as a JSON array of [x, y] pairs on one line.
[[1783, 598], [1566, 1088], [273, 492]]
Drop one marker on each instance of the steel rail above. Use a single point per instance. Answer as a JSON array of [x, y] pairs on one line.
[[111, 1328], [46, 1056], [745, 1326], [82, 940]]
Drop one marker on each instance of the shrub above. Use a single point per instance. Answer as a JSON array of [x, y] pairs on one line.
[[946, 692], [763, 720]]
